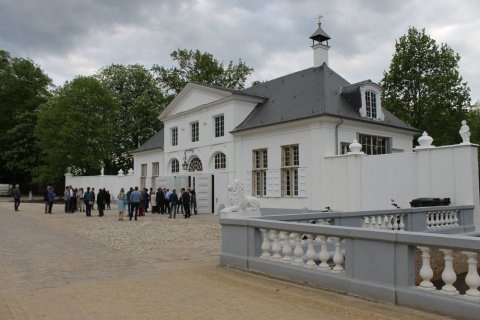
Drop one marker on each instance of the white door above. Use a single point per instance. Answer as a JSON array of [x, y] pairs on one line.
[[202, 183]]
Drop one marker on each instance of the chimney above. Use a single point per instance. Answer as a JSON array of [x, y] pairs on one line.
[[320, 45]]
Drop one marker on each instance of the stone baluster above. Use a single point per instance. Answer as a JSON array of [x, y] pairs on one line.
[[472, 279], [449, 218], [401, 225], [365, 222], [432, 219], [442, 219], [429, 220], [386, 222], [338, 257], [426, 272], [323, 255], [276, 247], [265, 244], [390, 222], [380, 222], [436, 220], [310, 254], [287, 249], [395, 222], [448, 274], [298, 252], [455, 217]]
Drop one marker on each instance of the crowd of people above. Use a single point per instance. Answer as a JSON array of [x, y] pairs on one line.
[[162, 201], [135, 202]]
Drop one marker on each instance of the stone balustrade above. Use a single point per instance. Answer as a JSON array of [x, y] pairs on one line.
[[383, 264], [288, 247], [442, 219]]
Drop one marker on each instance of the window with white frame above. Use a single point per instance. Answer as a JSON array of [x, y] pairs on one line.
[[219, 126], [289, 168], [371, 104], [259, 172], [155, 173], [175, 166], [155, 169], [143, 175], [373, 144], [174, 134], [344, 147], [220, 161], [194, 129]]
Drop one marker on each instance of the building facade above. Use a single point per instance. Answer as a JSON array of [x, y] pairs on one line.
[[275, 136]]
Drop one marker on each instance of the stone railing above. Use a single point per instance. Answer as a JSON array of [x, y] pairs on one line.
[[385, 265], [444, 219]]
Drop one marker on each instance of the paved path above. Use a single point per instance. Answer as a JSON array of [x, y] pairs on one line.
[[68, 266]]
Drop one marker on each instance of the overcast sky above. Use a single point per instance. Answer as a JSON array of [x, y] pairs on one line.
[[77, 37]]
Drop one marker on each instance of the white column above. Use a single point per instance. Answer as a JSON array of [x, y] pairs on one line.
[[338, 257], [310, 252], [265, 244], [298, 252], [323, 256], [448, 274], [472, 279], [426, 272], [287, 249], [276, 247]]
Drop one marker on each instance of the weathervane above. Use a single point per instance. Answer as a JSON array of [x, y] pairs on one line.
[[319, 19]]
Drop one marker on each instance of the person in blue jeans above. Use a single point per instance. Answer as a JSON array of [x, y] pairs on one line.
[[173, 199], [135, 199]]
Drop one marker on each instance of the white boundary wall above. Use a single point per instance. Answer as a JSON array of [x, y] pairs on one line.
[[359, 182]]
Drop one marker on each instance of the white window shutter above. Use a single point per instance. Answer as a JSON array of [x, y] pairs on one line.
[[273, 183], [248, 183], [302, 182]]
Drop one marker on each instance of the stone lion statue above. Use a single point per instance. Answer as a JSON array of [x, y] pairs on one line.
[[239, 202]]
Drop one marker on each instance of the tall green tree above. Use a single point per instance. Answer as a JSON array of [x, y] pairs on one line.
[[22, 155], [74, 130], [141, 102], [200, 67], [424, 88], [23, 88]]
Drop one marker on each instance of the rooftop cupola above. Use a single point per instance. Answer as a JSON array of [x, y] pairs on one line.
[[320, 45]]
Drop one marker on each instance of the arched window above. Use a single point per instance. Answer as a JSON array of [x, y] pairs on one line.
[[220, 161], [175, 166], [195, 165]]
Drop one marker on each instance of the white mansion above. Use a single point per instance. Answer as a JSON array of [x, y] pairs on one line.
[[273, 136], [287, 140]]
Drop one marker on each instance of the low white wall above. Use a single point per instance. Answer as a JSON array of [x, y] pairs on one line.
[[111, 183]]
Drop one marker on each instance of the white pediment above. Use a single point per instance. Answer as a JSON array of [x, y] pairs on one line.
[[191, 97]]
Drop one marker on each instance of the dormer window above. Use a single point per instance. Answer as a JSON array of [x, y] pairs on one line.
[[371, 104], [371, 107], [365, 96]]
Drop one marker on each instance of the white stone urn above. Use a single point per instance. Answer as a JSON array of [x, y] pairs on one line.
[[120, 173], [355, 147], [425, 141], [130, 172]]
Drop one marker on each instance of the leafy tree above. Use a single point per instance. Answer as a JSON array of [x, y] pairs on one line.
[[195, 66], [141, 102], [21, 157], [23, 88], [423, 86], [74, 129]]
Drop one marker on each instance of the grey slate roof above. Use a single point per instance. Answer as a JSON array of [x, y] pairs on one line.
[[155, 142], [304, 94]]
